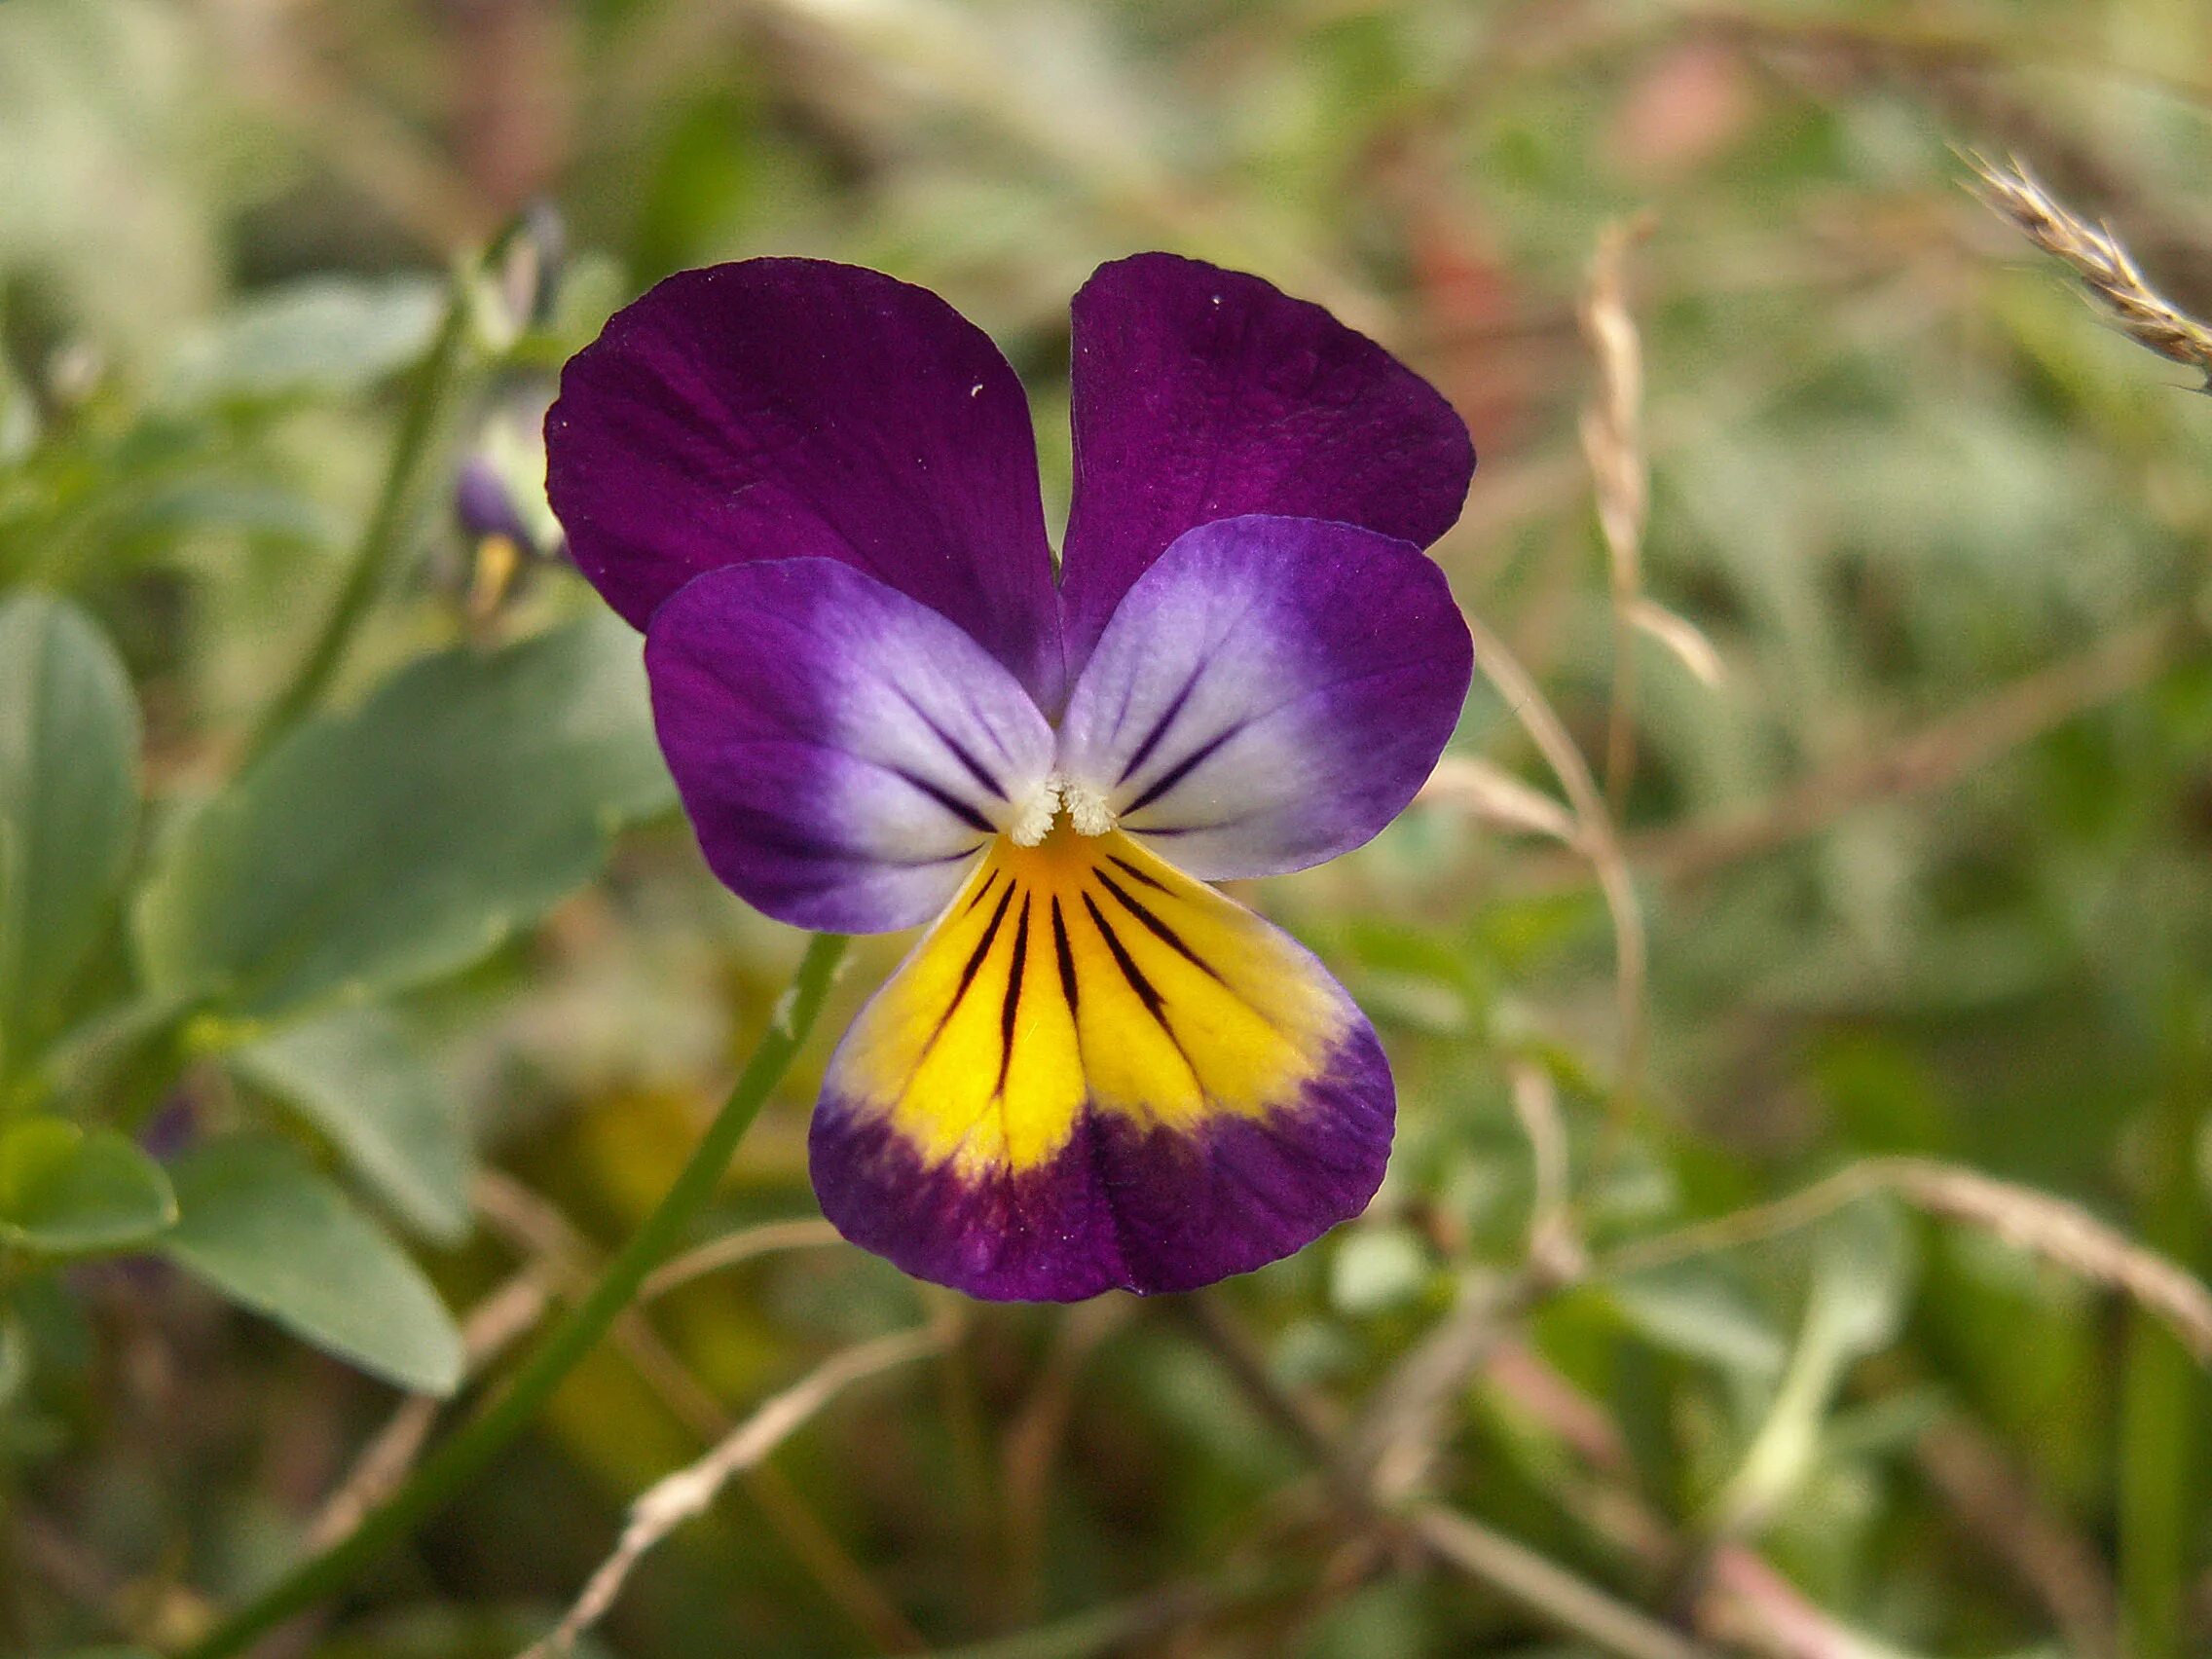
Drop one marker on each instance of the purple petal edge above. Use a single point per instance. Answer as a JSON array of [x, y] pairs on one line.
[[842, 750], [1269, 694], [1119, 1207], [798, 407], [1202, 394]]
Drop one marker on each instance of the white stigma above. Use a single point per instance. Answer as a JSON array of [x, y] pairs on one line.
[[1086, 807], [1034, 822], [1088, 810]]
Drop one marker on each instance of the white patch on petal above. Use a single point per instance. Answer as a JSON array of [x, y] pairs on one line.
[[1086, 808], [1034, 821]]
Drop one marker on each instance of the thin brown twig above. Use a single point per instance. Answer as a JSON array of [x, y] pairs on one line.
[[536, 1226], [1729, 1594], [1612, 444], [1995, 1504], [747, 1243], [1598, 839], [1393, 1442], [1300, 1419], [2068, 1237], [1555, 1251], [1533, 1582], [1933, 757], [689, 1492], [491, 1326], [2059, 1232], [1545, 1588], [1488, 791], [1032, 1440], [2097, 257]]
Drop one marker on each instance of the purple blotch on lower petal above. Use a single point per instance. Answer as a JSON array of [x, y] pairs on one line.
[[1120, 1206]]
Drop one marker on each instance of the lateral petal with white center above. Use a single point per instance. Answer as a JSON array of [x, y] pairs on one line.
[[843, 751], [1268, 694]]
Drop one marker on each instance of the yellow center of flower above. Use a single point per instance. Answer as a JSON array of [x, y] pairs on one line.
[[1081, 970]]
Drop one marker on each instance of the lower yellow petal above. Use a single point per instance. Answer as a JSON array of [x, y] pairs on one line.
[[1082, 1022]]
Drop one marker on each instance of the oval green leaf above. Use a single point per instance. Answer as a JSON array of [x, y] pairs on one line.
[[322, 336], [361, 1078], [70, 1191], [69, 804], [262, 1227], [385, 847]]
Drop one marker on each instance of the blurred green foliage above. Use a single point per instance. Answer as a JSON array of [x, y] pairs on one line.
[[1926, 871]]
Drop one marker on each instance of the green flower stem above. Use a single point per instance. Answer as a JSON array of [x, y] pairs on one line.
[[385, 539], [444, 1472]]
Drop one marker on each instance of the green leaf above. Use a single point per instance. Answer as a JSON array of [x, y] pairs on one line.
[[68, 803], [267, 1229], [1691, 1309], [1861, 1277], [1377, 1267], [361, 1078], [324, 336], [65, 1190], [383, 848]]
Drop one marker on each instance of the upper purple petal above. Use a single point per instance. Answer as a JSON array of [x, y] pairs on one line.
[[1202, 394], [843, 751], [792, 408], [1269, 694]]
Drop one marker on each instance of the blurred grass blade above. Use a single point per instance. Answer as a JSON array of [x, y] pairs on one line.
[[1695, 1309], [1489, 793], [1683, 636], [259, 1223], [2162, 1506], [1855, 1305], [363, 1079]]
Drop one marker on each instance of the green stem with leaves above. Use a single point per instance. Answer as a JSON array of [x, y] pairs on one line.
[[447, 1470], [385, 539]]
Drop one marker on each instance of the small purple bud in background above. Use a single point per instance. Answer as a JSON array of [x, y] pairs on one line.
[[499, 501], [483, 504], [172, 1128]]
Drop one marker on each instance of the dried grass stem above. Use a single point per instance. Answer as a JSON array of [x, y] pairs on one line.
[[2096, 256]]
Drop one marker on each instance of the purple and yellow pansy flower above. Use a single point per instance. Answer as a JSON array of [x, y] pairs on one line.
[[815, 489]]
